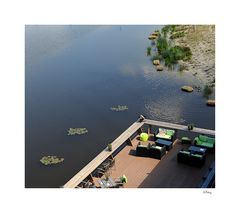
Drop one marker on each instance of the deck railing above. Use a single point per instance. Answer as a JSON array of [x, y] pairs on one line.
[[123, 138]]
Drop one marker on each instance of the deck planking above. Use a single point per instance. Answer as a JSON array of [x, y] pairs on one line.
[[90, 167], [124, 165], [146, 172]]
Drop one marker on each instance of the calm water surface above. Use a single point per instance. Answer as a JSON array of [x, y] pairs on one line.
[[75, 74]]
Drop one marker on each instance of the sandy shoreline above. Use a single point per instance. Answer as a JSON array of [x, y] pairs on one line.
[[201, 40]]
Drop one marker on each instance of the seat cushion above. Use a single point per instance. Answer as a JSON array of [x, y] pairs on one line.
[[170, 132], [185, 152], [156, 147], [211, 140], [205, 144], [203, 138]]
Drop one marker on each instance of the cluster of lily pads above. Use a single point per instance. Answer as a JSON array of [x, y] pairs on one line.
[[48, 160], [119, 108], [77, 131]]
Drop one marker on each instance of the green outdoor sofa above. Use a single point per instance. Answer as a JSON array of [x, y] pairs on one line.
[[205, 141], [166, 134]]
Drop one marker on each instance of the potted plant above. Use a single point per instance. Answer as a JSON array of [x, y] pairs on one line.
[[190, 126], [110, 147]]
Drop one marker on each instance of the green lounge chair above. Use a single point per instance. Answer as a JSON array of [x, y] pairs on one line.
[[166, 134], [205, 141]]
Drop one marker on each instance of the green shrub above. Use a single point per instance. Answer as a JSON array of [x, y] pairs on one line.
[[149, 50], [173, 54], [168, 29], [166, 49], [177, 35], [162, 45]]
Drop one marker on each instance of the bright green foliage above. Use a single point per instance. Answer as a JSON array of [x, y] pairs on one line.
[[162, 45], [173, 54], [166, 48]]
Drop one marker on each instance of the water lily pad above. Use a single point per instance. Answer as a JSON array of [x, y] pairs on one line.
[[48, 160], [119, 108], [77, 131]]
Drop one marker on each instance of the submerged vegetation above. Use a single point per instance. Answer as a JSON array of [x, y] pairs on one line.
[[119, 108], [48, 160], [207, 91], [149, 49], [156, 57], [77, 131]]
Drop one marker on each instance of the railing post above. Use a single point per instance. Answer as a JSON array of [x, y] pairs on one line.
[[129, 142], [149, 129], [139, 131]]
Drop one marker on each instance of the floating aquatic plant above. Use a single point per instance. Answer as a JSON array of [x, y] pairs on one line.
[[119, 108], [48, 160], [149, 50], [77, 131]]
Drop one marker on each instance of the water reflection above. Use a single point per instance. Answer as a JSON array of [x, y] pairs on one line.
[[52, 39], [129, 69], [79, 73]]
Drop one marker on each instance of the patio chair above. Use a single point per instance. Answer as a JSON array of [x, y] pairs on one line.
[[85, 184], [157, 151], [205, 141], [166, 134], [142, 150]]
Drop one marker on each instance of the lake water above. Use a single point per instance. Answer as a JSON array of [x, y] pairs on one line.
[[75, 74]]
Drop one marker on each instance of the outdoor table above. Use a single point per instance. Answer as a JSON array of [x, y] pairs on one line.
[[107, 183], [197, 149]]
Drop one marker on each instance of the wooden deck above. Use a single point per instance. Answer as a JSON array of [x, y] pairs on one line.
[[145, 172], [89, 168], [125, 160]]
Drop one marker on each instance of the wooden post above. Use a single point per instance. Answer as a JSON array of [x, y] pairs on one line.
[[90, 178], [129, 142], [139, 131], [149, 129], [175, 136], [111, 156]]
